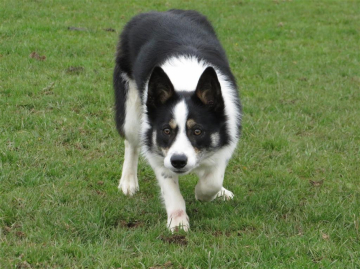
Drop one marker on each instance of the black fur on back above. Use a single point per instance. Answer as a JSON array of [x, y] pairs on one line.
[[149, 39]]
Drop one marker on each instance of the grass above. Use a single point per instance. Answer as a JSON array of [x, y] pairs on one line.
[[295, 173]]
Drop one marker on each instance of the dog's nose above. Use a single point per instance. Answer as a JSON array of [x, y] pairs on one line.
[[178, 160]]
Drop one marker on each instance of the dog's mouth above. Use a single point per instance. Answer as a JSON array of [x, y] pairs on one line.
[[181, 171]]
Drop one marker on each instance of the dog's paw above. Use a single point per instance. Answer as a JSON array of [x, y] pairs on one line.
[[178, 220], [225, 194], [129, 185]]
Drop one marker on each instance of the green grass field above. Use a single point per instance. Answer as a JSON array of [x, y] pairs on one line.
[[295, 175]]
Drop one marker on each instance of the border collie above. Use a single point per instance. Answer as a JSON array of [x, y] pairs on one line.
[[175, 96]]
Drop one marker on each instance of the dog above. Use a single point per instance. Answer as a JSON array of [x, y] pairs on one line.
[[176, 99]]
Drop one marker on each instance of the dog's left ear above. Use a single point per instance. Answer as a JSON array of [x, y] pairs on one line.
[[208, 90]]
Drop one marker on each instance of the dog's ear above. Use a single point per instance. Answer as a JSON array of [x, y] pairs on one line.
[[208, 90], [160, 88]]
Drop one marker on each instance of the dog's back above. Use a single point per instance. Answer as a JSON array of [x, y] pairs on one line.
[[151, 38]]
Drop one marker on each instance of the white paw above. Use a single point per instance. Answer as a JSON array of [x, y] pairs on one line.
[[129, 185], [225, 194], [178, 220]]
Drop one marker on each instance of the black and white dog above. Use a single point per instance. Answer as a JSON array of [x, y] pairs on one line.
[[176, 97]]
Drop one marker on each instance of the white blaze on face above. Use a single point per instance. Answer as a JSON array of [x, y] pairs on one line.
[[181, 145], [184, 72]]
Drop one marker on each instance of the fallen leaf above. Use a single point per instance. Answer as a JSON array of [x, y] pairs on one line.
[[110, 30], [76, 29], [75, 69], [316, 183], [23, 265], [100, 193], [325, 236], [20, 234], [7, 230], [35, 55]]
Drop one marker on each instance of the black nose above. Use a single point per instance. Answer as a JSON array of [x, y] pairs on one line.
[[178, 160]]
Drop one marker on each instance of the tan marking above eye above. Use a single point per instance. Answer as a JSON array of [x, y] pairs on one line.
[[190, 123], [172, 124]]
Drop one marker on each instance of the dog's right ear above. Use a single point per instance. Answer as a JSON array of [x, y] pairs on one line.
[[160, 88]]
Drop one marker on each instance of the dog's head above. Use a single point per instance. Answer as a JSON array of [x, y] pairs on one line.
[[185, 127]]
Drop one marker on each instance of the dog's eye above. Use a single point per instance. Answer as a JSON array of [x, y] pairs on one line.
[[167, 131], [197, 132]]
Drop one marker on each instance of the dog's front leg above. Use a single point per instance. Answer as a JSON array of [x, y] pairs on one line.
[[129, 181], [210, 184], [174, 202]]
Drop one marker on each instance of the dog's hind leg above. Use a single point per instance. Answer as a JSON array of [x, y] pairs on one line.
[[128, 119]]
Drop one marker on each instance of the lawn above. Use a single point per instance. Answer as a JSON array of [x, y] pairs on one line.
[[295, 174]]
